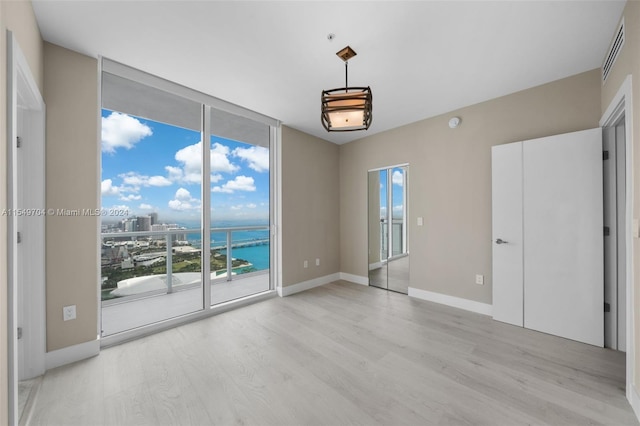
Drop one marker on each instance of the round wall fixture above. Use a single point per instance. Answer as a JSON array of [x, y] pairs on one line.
[[454, 122]]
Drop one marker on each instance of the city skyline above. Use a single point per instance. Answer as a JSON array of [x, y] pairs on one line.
[[152, 167]]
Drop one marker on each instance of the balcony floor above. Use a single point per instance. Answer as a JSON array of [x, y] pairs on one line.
[[119, 317]]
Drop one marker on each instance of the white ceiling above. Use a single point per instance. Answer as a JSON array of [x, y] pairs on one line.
[[421, 58]]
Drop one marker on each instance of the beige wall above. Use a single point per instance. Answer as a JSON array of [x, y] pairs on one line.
[[18, 17], [72, 167], [450, 180], [628, 63], [310, 214]]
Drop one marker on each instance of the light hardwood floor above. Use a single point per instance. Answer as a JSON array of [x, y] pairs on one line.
[[341, 354]]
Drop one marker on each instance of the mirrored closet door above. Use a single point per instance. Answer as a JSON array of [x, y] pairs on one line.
[[387, 228]]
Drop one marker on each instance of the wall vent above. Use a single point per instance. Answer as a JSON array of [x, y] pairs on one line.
[[614, 51]]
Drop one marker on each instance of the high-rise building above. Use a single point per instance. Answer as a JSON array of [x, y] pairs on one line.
[[154, 218], [130, 224], [144, 223]]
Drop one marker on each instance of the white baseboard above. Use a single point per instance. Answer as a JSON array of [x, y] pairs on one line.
[[635, 401], [71, 354], [456, 302], [306, 285], [356, 279]]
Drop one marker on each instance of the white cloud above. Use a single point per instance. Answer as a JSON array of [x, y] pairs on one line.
[[251, 206], [130, 197], [238, 207], [397, 178], [158, 181], [122, 131], [190, 158], [190, 170], [240, 183], [256, 156], [220, 159], [107, 188], [175, 173], [137, 180], [145, 206], [183, 195], [397, 208], [184, 201]]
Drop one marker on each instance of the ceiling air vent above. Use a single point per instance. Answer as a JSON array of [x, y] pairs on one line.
[[614, 52]]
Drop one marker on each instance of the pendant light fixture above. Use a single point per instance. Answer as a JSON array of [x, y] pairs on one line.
[[346, 109]]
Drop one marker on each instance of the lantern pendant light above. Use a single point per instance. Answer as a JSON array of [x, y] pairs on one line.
[[347, 109]]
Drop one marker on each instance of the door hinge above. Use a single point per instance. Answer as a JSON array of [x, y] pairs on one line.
[[19, 332], [18, 141], [19, 238], [607, 307], [607, 231], [605, 155]]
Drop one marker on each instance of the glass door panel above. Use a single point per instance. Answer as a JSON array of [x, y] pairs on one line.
[[240, 206], [151, 269]]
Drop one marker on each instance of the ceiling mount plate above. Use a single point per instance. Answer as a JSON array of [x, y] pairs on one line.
[[346, 53]]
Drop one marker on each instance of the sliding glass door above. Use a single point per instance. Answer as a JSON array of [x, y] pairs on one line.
[[185, 224]]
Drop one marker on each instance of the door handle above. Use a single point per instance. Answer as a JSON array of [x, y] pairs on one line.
[[500, 241]]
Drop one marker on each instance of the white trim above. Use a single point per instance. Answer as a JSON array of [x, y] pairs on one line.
[[24, 95], [356, 279], [276, 206], [622, 104], [205, 198], [388, 167], [71, 354], [306, 285], [635, 400], [100, 206], [456, 302]]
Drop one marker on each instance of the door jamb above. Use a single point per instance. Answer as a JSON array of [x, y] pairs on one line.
[[21, 87], [622, 104]]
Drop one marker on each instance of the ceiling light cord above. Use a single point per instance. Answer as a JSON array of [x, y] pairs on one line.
[[346, 76]]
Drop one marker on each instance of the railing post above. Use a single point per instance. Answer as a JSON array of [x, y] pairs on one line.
[[229, 256], [169, 264]]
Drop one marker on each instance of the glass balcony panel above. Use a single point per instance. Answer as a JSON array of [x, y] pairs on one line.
[[147, 278], [249, 263]]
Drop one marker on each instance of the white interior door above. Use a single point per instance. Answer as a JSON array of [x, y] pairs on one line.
[[563, 234], [506, 169]]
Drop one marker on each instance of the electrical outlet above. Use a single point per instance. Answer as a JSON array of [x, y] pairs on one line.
[[318, 262], [480, 279], [306, 264], [69, 312]]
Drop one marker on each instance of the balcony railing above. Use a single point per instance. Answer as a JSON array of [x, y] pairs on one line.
[[398, 242], [143, 260]]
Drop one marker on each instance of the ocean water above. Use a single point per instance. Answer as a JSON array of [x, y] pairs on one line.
[[258, 255]]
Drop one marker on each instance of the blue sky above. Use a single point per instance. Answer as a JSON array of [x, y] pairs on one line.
[[149, 166], [397, 180]]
